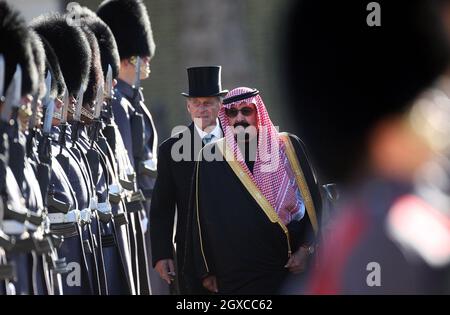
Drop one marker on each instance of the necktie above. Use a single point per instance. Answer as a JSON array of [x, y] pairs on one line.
[[207, 139]]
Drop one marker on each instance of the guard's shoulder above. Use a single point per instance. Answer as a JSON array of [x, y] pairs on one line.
[[120, 98]]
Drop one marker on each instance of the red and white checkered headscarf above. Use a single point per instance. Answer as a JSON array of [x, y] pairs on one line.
[[272, 172]]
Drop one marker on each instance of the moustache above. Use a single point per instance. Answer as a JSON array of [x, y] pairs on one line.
[[241, 124]]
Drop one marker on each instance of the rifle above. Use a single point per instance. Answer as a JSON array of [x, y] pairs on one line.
[[137, 124], [107, 115]]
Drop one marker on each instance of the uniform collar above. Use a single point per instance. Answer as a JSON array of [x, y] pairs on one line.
[[126, 89]]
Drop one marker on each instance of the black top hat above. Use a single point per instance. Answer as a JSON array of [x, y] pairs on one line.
[[205, 81]]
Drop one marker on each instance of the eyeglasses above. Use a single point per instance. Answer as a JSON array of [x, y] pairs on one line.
[[233, 112]]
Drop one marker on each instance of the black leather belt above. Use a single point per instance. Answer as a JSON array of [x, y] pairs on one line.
[[23, 246], [104, 217], [14, 215], [8, 272], [134, 206], [108, 240], [64, 229], [120, 219]]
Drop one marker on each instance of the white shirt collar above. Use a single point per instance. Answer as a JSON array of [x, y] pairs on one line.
[[217, 132]]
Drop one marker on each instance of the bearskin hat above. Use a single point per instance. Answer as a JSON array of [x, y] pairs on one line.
[[16, 49], [107, 43], [71, 47], [58, 86], [38, 50], [130, 23], [95, 74]]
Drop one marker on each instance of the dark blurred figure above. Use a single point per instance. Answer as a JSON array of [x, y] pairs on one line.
[[360, 108]]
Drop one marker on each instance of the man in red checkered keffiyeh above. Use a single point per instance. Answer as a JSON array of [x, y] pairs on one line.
[[272, 172], [250, 229]]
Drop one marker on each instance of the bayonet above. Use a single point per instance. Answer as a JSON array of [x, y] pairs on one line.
[[77, 115], [137, 77], [47, 127], [137, 82], [108, 83], [98, 110], [34, 112], [2, 75], [65, 108], [99, 102], [48, 84], [31, 125], [49, 104], [107, 114], [63, 121]]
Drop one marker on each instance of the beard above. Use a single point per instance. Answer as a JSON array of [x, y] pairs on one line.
[[241, 132]]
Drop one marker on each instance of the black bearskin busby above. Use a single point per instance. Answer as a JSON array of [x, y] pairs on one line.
[[95, 73], [71, 47], [39, 58], [107, 43], [58, 86], [130, 24], [16, 48]]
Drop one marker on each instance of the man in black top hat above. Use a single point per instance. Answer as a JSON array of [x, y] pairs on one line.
[[175, 169]]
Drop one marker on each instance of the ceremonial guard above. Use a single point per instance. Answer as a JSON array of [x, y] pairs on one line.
[[130, 24]]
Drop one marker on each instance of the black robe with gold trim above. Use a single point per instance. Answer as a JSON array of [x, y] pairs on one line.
[[233, 239]]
